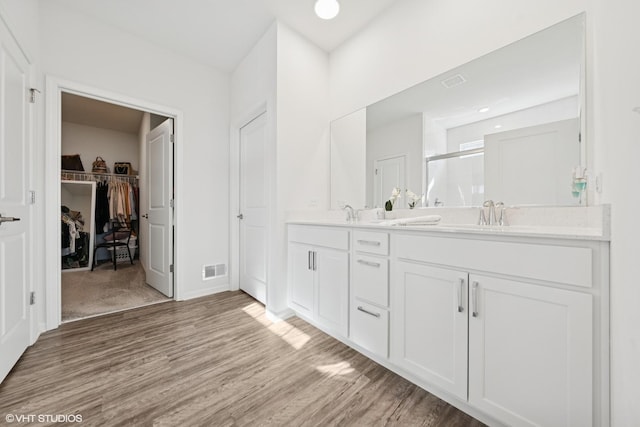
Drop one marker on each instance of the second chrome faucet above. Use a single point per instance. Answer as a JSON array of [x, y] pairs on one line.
[[492, 214]]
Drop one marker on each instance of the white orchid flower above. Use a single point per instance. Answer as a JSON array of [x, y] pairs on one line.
[[412, 196], [395, 193]]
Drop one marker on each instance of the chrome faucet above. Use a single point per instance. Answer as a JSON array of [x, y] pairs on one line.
[[483, 220], [351, 215], [491, 212], [502, 217]]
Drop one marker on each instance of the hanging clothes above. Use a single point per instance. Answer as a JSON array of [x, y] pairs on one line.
[[102, 206], [122, 203]]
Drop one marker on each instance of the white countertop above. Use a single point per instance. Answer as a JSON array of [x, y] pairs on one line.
[[554, 232]]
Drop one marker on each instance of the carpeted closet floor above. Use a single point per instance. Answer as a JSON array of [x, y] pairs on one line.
[[91, 293]]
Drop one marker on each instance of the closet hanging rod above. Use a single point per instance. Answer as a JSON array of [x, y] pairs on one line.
[[90, 176]]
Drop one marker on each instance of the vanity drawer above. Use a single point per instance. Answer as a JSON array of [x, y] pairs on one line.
[[336, 238], [569, 265], [371, 279], [370, 327], [372, 242]]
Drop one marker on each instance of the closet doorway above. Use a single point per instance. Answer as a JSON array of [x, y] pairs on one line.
[[116, 207]]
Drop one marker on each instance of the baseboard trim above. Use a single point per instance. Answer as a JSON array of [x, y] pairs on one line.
[[209, 290], [280, 315]]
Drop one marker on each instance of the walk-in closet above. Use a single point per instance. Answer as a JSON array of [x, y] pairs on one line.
[[102, 199]]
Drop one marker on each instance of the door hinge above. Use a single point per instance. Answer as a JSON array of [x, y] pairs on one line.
[[172, 138], [32, 197], [32, 97], [376, 171], [32, 298], [171, 268], [171, 203]]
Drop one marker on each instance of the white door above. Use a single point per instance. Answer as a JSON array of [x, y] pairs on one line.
[[532, 165], [15, 170], [332, 289], [159, 215], [389, 173], [430, 325], [253, 208], [301, 278], [530, 353]]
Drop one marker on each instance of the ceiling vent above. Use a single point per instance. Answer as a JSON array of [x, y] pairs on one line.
[[211, 271], [456, 80]]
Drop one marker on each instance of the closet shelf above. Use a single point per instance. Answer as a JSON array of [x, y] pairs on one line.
[[95, 176]]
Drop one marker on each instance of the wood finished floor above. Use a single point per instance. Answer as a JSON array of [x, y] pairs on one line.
[[214, 361]]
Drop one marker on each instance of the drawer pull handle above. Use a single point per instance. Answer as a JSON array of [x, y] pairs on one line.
[[474, 296], [460, 290], [369, 242], [360, 308], [369, 263]]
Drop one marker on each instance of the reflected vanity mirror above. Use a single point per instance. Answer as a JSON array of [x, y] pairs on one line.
[[506, 126]]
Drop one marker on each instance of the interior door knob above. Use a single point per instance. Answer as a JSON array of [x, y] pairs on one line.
[[145, 216], [240, 216]]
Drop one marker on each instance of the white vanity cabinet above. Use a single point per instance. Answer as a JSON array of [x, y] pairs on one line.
[[319, 275], [430, 324], [530, 353], [512, 329], [369, 325], [529, 311]]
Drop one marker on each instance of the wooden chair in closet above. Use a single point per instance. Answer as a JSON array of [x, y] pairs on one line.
[[118, 236]]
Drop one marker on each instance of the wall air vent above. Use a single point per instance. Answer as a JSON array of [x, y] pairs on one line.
[[211, 271], [453, 81]]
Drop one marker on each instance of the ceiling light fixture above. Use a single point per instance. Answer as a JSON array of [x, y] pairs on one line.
[[327, 9]]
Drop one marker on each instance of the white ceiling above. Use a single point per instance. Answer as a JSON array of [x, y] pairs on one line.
[[91, 112], [220, 33]]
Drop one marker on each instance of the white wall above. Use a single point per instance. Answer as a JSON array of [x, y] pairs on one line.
[[22, 18], [302, 138], [82, 50], [418, 39], [407, 45], [288, 76], [402, 137], [253, 90], [348, 146], [91, 142], [617, 134]]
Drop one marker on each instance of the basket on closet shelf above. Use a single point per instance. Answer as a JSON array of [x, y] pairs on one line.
[[99, 166], [121, 252]]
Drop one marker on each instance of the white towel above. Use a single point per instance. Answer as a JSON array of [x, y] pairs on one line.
[[419, 220]]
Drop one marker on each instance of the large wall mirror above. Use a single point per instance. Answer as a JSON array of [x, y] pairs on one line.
[[506, 126]]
